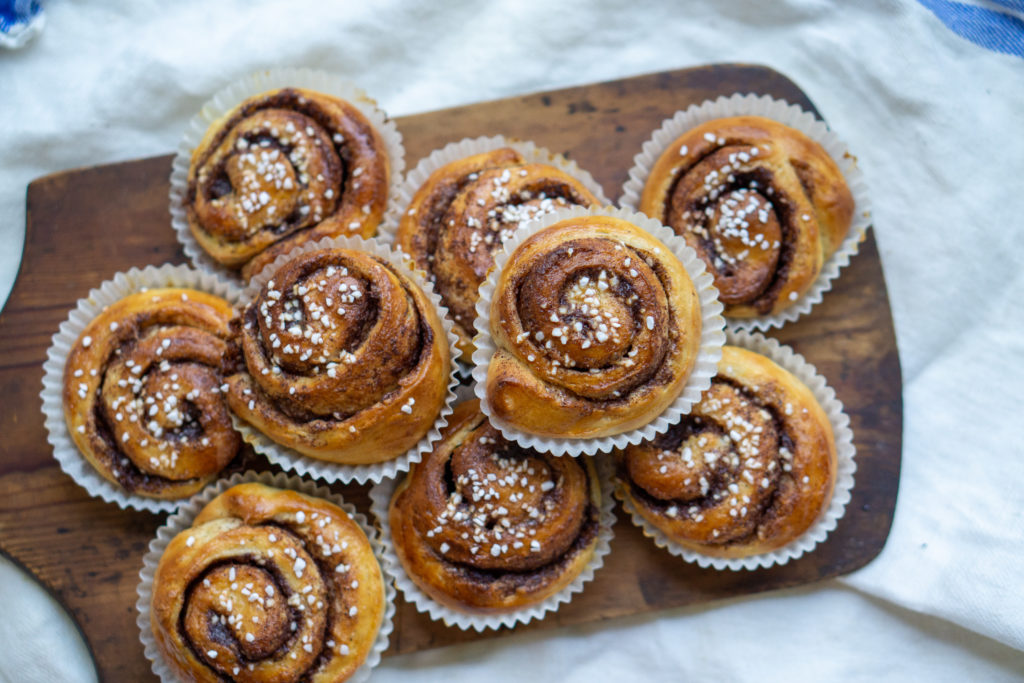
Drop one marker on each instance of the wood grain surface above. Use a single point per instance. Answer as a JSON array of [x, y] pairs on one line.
[[85, 225]]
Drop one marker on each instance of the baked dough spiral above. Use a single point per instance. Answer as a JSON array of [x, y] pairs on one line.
[[281, 169], [463, 213], [482, 525], [597, 327], [346, 357], [762, 204], [747, 472], [267, 585], [142, 392]]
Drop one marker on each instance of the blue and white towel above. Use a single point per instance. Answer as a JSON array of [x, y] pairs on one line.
[[994, 24]]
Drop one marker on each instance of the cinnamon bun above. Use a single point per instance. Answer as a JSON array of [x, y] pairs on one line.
[[747, 472], [597, 328], [482, 525], [464, 211], [142, 392], [283, 168], [346, 358], [267, 585], [762, 204]]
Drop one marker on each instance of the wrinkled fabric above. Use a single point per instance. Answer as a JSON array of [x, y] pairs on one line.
[[935, 121]]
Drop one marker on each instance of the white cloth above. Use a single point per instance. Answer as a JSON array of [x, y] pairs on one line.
[[936, 123]]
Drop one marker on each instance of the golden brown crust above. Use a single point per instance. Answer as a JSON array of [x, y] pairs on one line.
[[281, 169], [267, 585], [464, 211], [142, 397], [483, 526], [749, 471], [764, 206], [597, 328], [347, 360]]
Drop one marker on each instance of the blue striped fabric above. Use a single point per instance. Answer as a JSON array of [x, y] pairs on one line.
[[17, 13], [989, 28], [1011, 4]]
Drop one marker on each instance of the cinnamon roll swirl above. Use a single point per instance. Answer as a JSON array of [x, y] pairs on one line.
[[346, 358], [747, 472], [763, 204], [267, 585], [597, 327], [464, 211], [484, 526], [142, 392], [281, 169]]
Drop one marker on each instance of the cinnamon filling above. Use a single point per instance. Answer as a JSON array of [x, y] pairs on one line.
[[595, 318], [500, 516], [740, 222], [468, 217], [719, 472], [158, 420], [329, 337]]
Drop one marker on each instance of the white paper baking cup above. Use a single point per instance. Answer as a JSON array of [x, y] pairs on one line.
[[794, 117], [290, 459], [705, 367], [182, 520], [468, 147], [788, 359], [380, 497], [109, 292], [230, 97]]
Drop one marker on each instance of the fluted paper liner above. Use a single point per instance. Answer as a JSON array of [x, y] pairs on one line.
[[705, 367], [380, 497], [234, 94], [467, 147], [182, 520], [794, 117], [290, 459], [788, 359], [109, 292]]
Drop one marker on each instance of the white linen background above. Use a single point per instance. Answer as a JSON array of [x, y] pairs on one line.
[[936, 123]]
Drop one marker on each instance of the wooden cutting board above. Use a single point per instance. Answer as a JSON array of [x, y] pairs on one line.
[[85, 225]]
